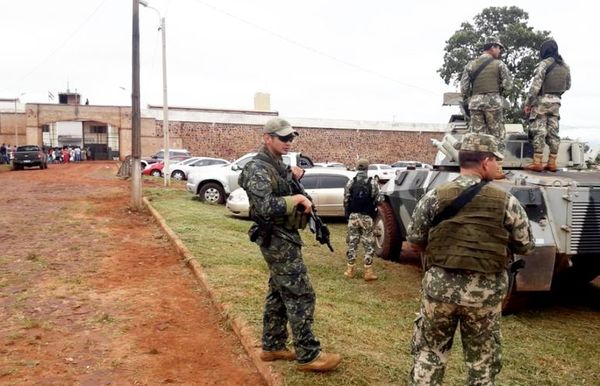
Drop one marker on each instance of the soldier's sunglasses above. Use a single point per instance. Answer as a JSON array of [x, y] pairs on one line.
[[287, 138]]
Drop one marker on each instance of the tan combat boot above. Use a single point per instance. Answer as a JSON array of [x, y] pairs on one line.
[[369, 274], [551, 165], [536, 166], [349, 271], [323, 362], [270, 356]]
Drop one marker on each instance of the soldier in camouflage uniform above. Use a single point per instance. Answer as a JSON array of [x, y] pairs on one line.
[[361, 196], [551, 79], [483, 84], [278, 214], [466, 259]]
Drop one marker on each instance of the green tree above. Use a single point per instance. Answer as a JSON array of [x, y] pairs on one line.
[[521, 52]]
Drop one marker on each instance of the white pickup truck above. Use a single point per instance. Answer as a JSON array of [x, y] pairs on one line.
[[214, 183]]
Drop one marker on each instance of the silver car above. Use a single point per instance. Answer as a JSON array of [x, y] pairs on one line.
[[324, 185]]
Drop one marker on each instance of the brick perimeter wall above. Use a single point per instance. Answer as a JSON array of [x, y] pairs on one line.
[[231, 141]]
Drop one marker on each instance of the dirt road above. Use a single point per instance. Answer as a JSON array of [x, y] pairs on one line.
[[93, 294]]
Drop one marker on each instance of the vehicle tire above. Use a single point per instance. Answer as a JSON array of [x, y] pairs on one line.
[[42, 166], [212, 193], [156, 173], [388, 242], [178, 175]]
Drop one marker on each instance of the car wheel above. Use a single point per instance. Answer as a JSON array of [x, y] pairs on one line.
[[178, 175], [212, 193], [156, 173], [388, 242]]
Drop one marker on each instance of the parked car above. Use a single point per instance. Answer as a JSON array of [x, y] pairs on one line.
[[325, 186], [160, 155], [156, 169], [180, 170], [410, 165], [214, 183], [29, 156], [336, 165], [380, 172]]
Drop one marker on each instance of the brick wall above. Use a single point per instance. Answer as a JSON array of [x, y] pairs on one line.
[[231, 141]]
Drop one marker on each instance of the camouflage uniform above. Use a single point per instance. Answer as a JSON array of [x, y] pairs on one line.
[[450, 296], [486, 109], [360, 226], [544, 114], [290, 296]]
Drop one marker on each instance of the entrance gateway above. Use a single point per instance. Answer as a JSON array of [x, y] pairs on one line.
[[100, 139]]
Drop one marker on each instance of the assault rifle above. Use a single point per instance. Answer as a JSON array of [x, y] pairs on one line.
[[315, 224]]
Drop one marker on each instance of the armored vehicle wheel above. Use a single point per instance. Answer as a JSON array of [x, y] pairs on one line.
[[388, 242], [212, 193]]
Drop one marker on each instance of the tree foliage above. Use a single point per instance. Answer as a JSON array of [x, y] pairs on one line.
[[521, 52]]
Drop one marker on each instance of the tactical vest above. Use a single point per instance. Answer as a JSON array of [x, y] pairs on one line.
[[555, 81], [488, 80], [361, 200], [475, 239]]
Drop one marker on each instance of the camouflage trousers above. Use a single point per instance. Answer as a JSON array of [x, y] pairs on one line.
[[433, 336], [543, 127], [290, 298], [360, 228], [489, 122]]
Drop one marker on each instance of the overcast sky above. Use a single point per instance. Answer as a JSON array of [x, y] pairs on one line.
[[350, 59]]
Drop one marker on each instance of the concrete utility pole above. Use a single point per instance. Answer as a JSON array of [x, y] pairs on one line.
[[136, 146], [166, 141]]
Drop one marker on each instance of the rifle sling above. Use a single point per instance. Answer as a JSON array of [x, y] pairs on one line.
[[476, 73], [463, 199]]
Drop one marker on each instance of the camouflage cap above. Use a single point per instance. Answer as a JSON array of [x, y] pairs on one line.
[[279, 127], [493, 40], [362, 164], [484, 143]]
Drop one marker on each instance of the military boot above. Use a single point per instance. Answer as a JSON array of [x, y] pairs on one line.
[[369, 274], [285, 354], [536, 166], [551, 165], [323, 362], [349, 271]]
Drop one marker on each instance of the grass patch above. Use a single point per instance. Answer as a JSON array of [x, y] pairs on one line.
[[370, 324]]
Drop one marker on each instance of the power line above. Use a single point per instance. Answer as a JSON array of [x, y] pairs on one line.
[[43, 61], [314, 50]]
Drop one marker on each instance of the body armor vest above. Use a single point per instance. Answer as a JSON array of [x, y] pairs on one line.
[[361, 200], [488, 79], [555, 81], [475, 239]]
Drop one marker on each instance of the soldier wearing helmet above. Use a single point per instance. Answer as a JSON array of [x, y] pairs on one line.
[[466, 255], [484, 82], [551, 79]]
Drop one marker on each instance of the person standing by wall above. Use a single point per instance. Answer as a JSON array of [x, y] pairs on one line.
[[361, 197], [551, 79], [276, 211]]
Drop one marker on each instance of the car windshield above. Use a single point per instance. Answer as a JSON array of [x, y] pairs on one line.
[[27, 148], [385, 166]]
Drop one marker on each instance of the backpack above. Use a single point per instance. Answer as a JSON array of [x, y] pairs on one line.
[[361, 199]]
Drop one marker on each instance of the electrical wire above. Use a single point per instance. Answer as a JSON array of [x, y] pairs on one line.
[[314, 50]]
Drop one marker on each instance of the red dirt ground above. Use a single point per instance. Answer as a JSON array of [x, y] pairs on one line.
[[92, 293]]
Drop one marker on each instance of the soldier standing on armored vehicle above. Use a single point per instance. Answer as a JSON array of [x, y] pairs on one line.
[[466, 229], [551, 79], [483, 83], [361, 196], [278, 214]]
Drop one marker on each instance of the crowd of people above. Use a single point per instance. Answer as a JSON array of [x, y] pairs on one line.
[[6, 153], [68, 154]]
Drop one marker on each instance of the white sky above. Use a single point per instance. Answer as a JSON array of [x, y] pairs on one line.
[[372, 60]]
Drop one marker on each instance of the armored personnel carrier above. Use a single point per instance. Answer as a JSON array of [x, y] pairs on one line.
[[563, 208]]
